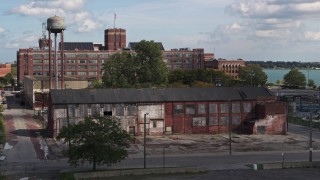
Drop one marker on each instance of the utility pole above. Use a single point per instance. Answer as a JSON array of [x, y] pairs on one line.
[[230, 121], [144, 140], [310, 143]]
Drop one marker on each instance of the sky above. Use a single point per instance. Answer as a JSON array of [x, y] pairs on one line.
[[253, 30]]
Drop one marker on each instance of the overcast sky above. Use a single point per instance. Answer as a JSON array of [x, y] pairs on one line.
[[277, 30]]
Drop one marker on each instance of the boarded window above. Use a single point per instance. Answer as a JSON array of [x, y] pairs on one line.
[[201, 108], [224, 108], [213, 121], [119, 110], [190, 109], [213, 108], [235, 107], [178, 109], [131, 110], [199, 121], [224, 120], [247, 107]]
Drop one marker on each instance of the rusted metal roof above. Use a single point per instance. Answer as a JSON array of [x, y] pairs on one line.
[[155, 95]]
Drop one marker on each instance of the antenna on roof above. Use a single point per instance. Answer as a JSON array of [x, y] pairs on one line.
[[114, 20]]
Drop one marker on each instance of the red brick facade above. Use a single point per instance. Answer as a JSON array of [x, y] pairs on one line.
[[5, 69], [115, 39]]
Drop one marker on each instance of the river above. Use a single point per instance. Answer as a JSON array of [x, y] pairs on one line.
[[277, 74]]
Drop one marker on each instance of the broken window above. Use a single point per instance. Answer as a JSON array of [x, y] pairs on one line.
[[213, 108], [178, 109], [247, 107], [213, 121], [235, 107], [224, 120], [199, 121], [224, 108], [190, 109], [201, 108]]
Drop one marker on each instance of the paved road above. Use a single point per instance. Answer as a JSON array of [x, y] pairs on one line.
[[303, 130]]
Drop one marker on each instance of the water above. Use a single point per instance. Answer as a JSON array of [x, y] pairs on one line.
[[277, 74]]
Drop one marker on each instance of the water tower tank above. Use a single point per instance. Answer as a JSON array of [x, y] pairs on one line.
[[55, 24]]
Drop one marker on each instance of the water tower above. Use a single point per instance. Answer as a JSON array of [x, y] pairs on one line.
[[56, 25]]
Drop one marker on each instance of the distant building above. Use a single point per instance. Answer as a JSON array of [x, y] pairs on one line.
[[85, 59], [115, 39], [185, 58], [229, 67], [5, 69]]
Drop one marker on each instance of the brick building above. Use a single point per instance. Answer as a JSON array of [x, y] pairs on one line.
[[115, 39], [185, 58], [173, 110], [81, 60], [5, 69], [229, 67]]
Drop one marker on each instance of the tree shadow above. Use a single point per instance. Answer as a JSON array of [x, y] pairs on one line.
[[27, 132]]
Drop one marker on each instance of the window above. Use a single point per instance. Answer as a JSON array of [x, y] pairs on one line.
[[71, 67], [93, 61], [93, 73], [45, 61], [213, 108], [190, 109], [70, 55], [82, 73], [235, 107], [93, 67], [82, 55], [224, 108], [71, 61], [37, 61], [236, 120], [70, 73], [37, 67], [213, 121], [154, 124], [37, 56], [82, 67], [178, 109], [119, 110], [199, 121], [247, 107], [224, 120], [82, 61], [201, 108]]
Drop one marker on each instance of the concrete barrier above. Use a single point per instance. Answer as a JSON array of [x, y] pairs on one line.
[[129, 172], [280, 165]]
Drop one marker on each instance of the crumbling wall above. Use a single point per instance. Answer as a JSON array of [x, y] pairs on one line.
[[271, 124]]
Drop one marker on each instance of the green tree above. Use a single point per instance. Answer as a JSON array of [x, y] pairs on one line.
[[151, 70], [253, 75], [311, 83], [144, 68], [120, 71], [8, 78], [98, 140], [294, 78]]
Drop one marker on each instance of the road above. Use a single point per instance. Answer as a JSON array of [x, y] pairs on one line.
[[26, 157]]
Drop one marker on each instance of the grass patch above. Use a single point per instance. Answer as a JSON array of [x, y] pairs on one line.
[[66, 176]]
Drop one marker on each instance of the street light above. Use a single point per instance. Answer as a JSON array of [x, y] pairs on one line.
[[144, 139]]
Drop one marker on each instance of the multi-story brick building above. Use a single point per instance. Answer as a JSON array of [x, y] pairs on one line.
[[85, 63], [229, 67], [185, 58], [85, 59]]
